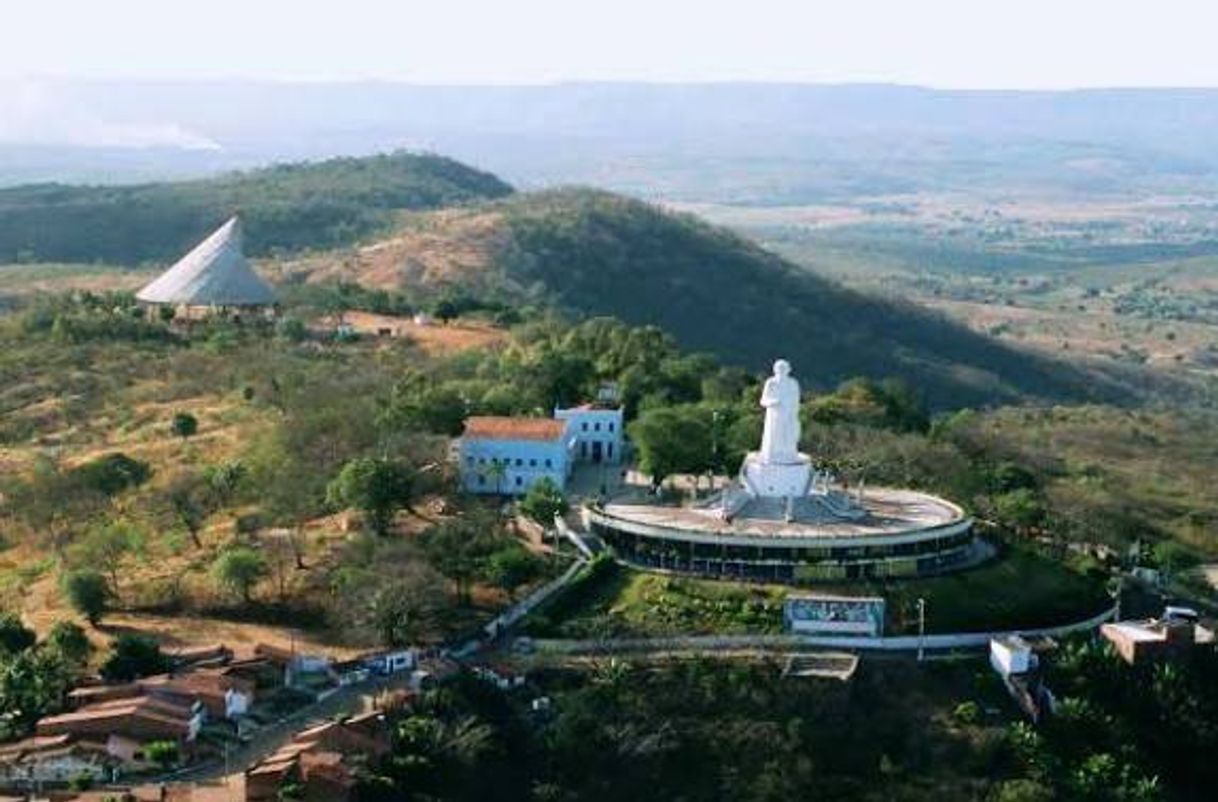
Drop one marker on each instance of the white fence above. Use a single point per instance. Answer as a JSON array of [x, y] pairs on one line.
[[530, 603], [713, 643]]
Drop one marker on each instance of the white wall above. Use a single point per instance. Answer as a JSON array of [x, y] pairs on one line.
[[525, 462], [595, 426]]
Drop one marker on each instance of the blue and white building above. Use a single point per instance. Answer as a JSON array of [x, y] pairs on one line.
[[597, 429], [506, 456]]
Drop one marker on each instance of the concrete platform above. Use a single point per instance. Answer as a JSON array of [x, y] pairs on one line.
[[888, 513]]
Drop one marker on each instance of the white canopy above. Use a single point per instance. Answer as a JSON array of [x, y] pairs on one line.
[[215, 273]]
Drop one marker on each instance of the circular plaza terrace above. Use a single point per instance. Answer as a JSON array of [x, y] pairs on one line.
[[889, 533]]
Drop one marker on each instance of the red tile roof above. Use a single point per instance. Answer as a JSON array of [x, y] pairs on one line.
[[489, 427]]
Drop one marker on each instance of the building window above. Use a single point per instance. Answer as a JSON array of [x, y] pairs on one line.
[[481, 460], [583, 450], [584, 426], [519, 481], [481, 479], [549, 463], [519, 462], [532, 463], [469, 461], [596, 427], [611, 425], [609, 449]]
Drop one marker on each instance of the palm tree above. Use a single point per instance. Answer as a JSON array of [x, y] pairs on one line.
[[497, 471]]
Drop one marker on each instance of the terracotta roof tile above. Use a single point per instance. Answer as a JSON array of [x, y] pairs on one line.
[[504, 428]]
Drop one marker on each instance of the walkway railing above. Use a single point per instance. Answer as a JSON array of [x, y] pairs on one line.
[[900, 643]]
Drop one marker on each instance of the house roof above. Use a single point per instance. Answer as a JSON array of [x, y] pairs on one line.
[[490, 427], [204, 653], [215, 273], [142, 712]]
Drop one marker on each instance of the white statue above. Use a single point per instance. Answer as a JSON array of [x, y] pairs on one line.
[[780, 397]]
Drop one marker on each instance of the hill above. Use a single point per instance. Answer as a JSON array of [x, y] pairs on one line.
[[754, 142], [286, 207], [597, 253]]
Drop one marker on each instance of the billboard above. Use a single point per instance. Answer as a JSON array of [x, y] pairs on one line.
[[834, 615]]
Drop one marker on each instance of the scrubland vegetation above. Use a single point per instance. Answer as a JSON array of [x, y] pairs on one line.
[[700, 729], [291, 480]]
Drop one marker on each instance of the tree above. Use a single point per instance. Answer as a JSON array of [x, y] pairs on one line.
[[163, 753], [543, 502], [411, 607], [105, 548], [15, 636], [239, 570], [673, 440], [70, 641], [444, 311], [460, 547], [1174, 558], [438, 410], [87, 593], [190, 501], [496, 470], [133, 656], [510, 568], [184, 425], [225, 480], [33, 684], [1020, 509], [376, 487], [111, 474]]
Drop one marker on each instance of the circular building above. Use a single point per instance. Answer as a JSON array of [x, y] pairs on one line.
[[784, 521]]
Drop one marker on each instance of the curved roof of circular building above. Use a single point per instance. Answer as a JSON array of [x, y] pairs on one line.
[[215, 273], [889, 512]]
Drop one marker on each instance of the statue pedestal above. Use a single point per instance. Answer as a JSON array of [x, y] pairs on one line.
[[776, 479]]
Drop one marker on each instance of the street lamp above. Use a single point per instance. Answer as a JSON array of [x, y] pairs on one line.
[[921, 628]]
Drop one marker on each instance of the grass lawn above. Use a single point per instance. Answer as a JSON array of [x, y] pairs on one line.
[[1018, 590]]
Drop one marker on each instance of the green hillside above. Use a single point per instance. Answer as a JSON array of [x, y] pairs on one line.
[[600, 253], [289, 207], [588, 252]]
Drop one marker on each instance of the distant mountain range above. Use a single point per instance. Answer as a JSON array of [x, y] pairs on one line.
[[754, 143]]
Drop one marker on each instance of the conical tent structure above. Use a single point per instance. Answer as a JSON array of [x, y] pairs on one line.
[[215, 273]]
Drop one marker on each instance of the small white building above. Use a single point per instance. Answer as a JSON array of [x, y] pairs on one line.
[[505, 455], [1011, 654], [597, 429]]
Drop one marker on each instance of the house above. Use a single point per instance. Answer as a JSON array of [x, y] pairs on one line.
[[126, 724], [298, 669], [506, 455], [598, 431], [222, 696], [1170, 638], [1011, 654], [212, 654], [387, 663], [320, 760], [1017, 663], [56, 759]]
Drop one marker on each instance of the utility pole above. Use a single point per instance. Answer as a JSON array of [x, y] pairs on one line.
[[921, 628]]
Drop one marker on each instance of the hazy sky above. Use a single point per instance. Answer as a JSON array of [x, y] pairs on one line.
[[943, 43]]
